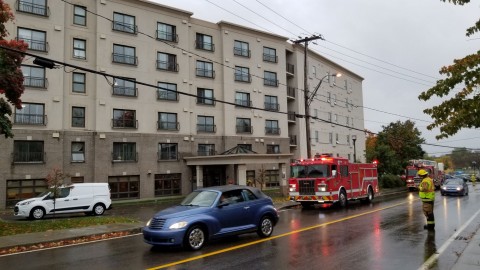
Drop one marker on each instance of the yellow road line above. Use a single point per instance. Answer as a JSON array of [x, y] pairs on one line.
[[272, 237]]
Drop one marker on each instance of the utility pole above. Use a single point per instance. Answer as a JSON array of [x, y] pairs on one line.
[[305, 92]]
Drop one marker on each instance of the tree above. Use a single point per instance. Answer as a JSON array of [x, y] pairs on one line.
[[462, 110], [54, 182], [11, 77]]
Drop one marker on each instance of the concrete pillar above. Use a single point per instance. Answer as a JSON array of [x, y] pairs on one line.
[[242, 174], [282, 169], [199, 176]]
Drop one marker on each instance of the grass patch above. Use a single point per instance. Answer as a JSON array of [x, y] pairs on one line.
[[29, 226]]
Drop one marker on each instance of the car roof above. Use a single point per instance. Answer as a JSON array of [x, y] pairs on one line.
[[226, 188]]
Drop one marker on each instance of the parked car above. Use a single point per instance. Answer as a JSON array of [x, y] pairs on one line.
[[90, 198], [454, 186], [211, 213]]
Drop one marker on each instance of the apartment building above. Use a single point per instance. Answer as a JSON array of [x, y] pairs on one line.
[[184, 103]]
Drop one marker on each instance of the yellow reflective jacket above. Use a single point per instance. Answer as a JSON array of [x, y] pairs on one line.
[[427, 190]]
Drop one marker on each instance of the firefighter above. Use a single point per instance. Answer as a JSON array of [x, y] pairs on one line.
[[473, 179], [427, 194]]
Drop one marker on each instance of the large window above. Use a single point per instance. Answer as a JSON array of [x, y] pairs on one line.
[[271, 103], [124, 119], [242, 74], [79, 15], [272, 178], [34, 76], [243, 99], [124, 55], [168, 184], [78, 117], [31, 114], [204, 42], [271, 127], [124, 187], [166, 61], [125, 87], [206, 149], [241, 48], [125, 152], [205, 69], [28, 152], [205, 124], [18, 190], [167, 151], [205, 96], [78, 151], [37, 7], [270, 55], [79, 48], [124, 23], [244, 125], [78, 82], [167, 121], [167, 91], [167, 32], [270, 78], [36, 40]]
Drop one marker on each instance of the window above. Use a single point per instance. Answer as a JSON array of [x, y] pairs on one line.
[[272, 178], [78, 82], [168, 184], [124, 119], [124, 55], [78, 117], [243, 99], [37, 7], [205, 96], [271, 127], [28, 152], [18, 190], [34, 76], [273, 149], [204, 42], [167, 91], [79, 15], [124, 151], [31, 114], [241, 48], [270, 55], [271, 103], [77, 179], [244, 125], [167, 151], [167, 32], [242, 74], [205, 124], [166, 61], [36, 40], [78, 151], [206, 149], [124, 23], [270, 78], [167, 121], [79, 48], [205, 69], [124, 187], [125, 87]]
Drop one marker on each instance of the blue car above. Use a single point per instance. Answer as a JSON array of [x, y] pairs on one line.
[[454, 186], [211, 213]]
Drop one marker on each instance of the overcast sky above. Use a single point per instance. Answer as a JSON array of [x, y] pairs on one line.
[[397, 46]]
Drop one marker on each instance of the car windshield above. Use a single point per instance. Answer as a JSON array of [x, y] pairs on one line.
[[42, 194], [454, 182], [200, 198]]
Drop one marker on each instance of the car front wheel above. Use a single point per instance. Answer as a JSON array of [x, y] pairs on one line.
[[265, 228], [195, 238]]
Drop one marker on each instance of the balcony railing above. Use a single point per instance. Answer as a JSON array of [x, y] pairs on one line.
[[35, 45], [28, 157], [30, 119], [125, 91], [168, 66], [204, 46], [125, 59], [125, 157], [168, 36], [244, 129], [125, 27], [206, 101], [290, 92], [241, 52], [270, 82], [243, 103], [270, 106], [290, 68], [243, 78], [206, 128], [124, 123], [293, 140], [167, 95], [35, 82], [207, 73], [291, 116], [272, 131], [31, 8], [209, 152], [167, 155], [161, 125], [270, 58]]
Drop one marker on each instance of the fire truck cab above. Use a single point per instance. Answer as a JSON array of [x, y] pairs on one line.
[[325, 179], [413, 180]]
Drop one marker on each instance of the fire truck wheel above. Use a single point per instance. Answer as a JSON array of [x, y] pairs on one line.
[[342, 199], [369, 197]]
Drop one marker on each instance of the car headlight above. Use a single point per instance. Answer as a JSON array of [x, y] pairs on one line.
[[148, 222], [178, 225], [459, 188], [444, 187], [26, 203]]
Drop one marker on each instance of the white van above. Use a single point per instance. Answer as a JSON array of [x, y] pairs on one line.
[[91, 198]]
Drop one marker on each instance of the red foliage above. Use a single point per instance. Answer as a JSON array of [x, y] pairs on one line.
[[11, 77]]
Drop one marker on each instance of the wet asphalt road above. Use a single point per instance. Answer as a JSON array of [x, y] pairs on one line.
[[387, 234]]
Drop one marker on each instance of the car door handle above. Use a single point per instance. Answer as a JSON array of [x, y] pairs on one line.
[[66, 200], [246, 207], [75, 199]]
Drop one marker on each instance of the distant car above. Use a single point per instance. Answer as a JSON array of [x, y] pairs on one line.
[[210, 213], [454, 186]]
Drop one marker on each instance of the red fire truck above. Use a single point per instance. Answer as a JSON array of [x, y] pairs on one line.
[[432, 167], [325, 179]]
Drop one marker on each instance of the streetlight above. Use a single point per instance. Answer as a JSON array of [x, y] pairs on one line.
[[354, 139], [308, 100]]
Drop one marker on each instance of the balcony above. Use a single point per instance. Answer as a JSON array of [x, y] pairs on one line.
[[162, 156], [241, 52], [35, 82], [167, 36], [243, 78], [125, 59], [272, 131], [290, 69], [125, 123], [244, 129], [206, 101], [125, 157], [291, 117], [270, 58], [35, 9], [28, 157], [243, 103], [290, 92], [35, 45], [125, 91], [30, 119], [270, 106], [270, 82], [168, 66], [208, 152], [204, 46], [206, 128], [172, 126], [124, 27], [167, 95], [293, 140], [207, 73]]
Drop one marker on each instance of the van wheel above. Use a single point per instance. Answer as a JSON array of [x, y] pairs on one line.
[[37, 213], [98, 209]]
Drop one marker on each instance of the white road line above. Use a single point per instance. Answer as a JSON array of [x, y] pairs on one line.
[[427, 264]]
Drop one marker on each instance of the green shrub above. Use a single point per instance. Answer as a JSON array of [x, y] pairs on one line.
[[391, 181]]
